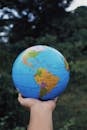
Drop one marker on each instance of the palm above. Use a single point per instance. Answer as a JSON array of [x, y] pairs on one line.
[[34, 103]]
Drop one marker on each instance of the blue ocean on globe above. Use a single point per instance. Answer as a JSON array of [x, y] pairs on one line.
[[40, 72]]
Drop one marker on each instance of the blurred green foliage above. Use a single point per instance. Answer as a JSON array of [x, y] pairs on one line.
[[71, 110]]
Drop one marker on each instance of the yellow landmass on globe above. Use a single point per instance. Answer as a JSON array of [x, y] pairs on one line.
[[66, 64], [45, 79], [29, 54]]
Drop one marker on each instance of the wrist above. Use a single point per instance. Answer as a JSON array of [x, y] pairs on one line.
[[43, 111], [41, 108]]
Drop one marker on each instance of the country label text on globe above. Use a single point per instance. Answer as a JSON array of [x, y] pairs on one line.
[[40, 72]]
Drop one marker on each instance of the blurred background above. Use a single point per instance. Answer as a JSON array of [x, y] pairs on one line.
[[61, 24]]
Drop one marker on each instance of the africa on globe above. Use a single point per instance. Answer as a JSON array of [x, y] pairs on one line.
[[40, 72]]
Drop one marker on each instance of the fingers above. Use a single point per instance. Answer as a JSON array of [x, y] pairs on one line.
[[52, 103], [55, 100], [20, 99], [26, 102]]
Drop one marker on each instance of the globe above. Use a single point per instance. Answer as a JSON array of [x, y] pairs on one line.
[[40, 72]]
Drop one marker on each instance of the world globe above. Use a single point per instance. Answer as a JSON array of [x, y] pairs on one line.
[[40, 72]]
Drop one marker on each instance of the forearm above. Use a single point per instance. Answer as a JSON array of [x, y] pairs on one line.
[[40, 120]]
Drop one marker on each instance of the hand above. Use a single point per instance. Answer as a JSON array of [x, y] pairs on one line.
[[35, 104], [40, 112]]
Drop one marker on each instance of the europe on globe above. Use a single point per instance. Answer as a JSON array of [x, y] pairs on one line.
[[40, 72]]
